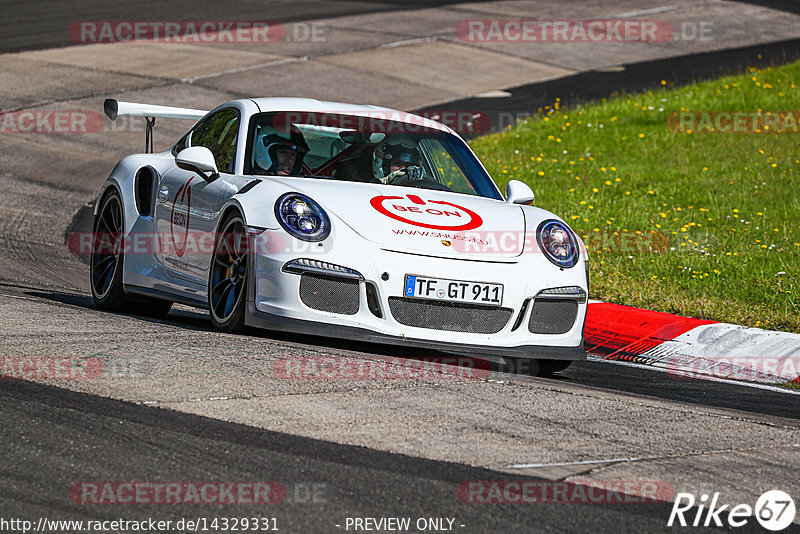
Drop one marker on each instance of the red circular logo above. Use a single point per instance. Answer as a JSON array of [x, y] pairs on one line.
[[180, 218], [431, 214]]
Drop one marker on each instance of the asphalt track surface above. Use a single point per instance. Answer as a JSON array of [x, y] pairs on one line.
[[54, 437], [43, 24], [98, 437], [629, 78]]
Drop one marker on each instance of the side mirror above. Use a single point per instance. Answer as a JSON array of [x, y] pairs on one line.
[[519, 193], [198, 159]]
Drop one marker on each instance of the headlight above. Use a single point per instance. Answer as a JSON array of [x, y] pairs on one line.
[[302, 217], [558, 244]]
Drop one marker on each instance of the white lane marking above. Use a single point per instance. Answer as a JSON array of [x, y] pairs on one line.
[[662, 9], [564, 464], [493, 94], [412, 41], [245, 69], [709, 378]]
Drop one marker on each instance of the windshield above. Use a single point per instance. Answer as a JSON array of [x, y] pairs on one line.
[[370, 149]]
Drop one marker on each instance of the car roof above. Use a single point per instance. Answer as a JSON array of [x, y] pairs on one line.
[[267, 104]]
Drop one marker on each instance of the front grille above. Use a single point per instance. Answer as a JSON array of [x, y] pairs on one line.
[[552, 316], [452, 316], [330, 294]]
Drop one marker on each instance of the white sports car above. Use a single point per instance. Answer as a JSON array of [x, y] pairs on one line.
[[338, 220]]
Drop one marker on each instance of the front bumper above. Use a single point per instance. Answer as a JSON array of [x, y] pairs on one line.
[[267, 321], [274, 301]]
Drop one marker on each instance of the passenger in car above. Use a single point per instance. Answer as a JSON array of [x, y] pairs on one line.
[[396, 161]]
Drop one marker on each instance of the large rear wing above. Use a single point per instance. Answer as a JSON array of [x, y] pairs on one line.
[[114, 108]]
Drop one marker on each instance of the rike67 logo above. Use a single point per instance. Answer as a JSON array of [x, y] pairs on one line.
[[774, 510], [431, 214]]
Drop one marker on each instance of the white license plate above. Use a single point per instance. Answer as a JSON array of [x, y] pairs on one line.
[[453, 290]]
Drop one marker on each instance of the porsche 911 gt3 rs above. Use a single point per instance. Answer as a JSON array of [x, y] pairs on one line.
[[337, 220]]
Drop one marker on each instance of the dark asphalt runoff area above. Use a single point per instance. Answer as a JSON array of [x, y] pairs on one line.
[[54, 439]]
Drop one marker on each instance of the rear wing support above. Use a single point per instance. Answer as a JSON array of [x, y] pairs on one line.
[[114, 108], [148, 135]]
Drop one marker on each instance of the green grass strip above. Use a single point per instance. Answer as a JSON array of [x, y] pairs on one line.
[[699, 223]]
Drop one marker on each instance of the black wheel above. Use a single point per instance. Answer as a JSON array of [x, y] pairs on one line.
[[106, 264], [227, 280], [107, 253]]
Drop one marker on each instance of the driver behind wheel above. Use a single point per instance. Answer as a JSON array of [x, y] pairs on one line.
[[280, 153], [397, 161]]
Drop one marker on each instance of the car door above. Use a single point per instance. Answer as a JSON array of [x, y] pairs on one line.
[[187, 204]]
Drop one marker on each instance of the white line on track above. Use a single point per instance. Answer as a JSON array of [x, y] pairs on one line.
[[245, 69], [662, 9], [564, 464], [411, 41]]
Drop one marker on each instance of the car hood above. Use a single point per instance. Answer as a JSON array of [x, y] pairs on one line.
[[421, 221]]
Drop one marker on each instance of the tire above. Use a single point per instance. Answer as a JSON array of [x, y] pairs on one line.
[[228, 276], [105, 272], [107, 260]]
